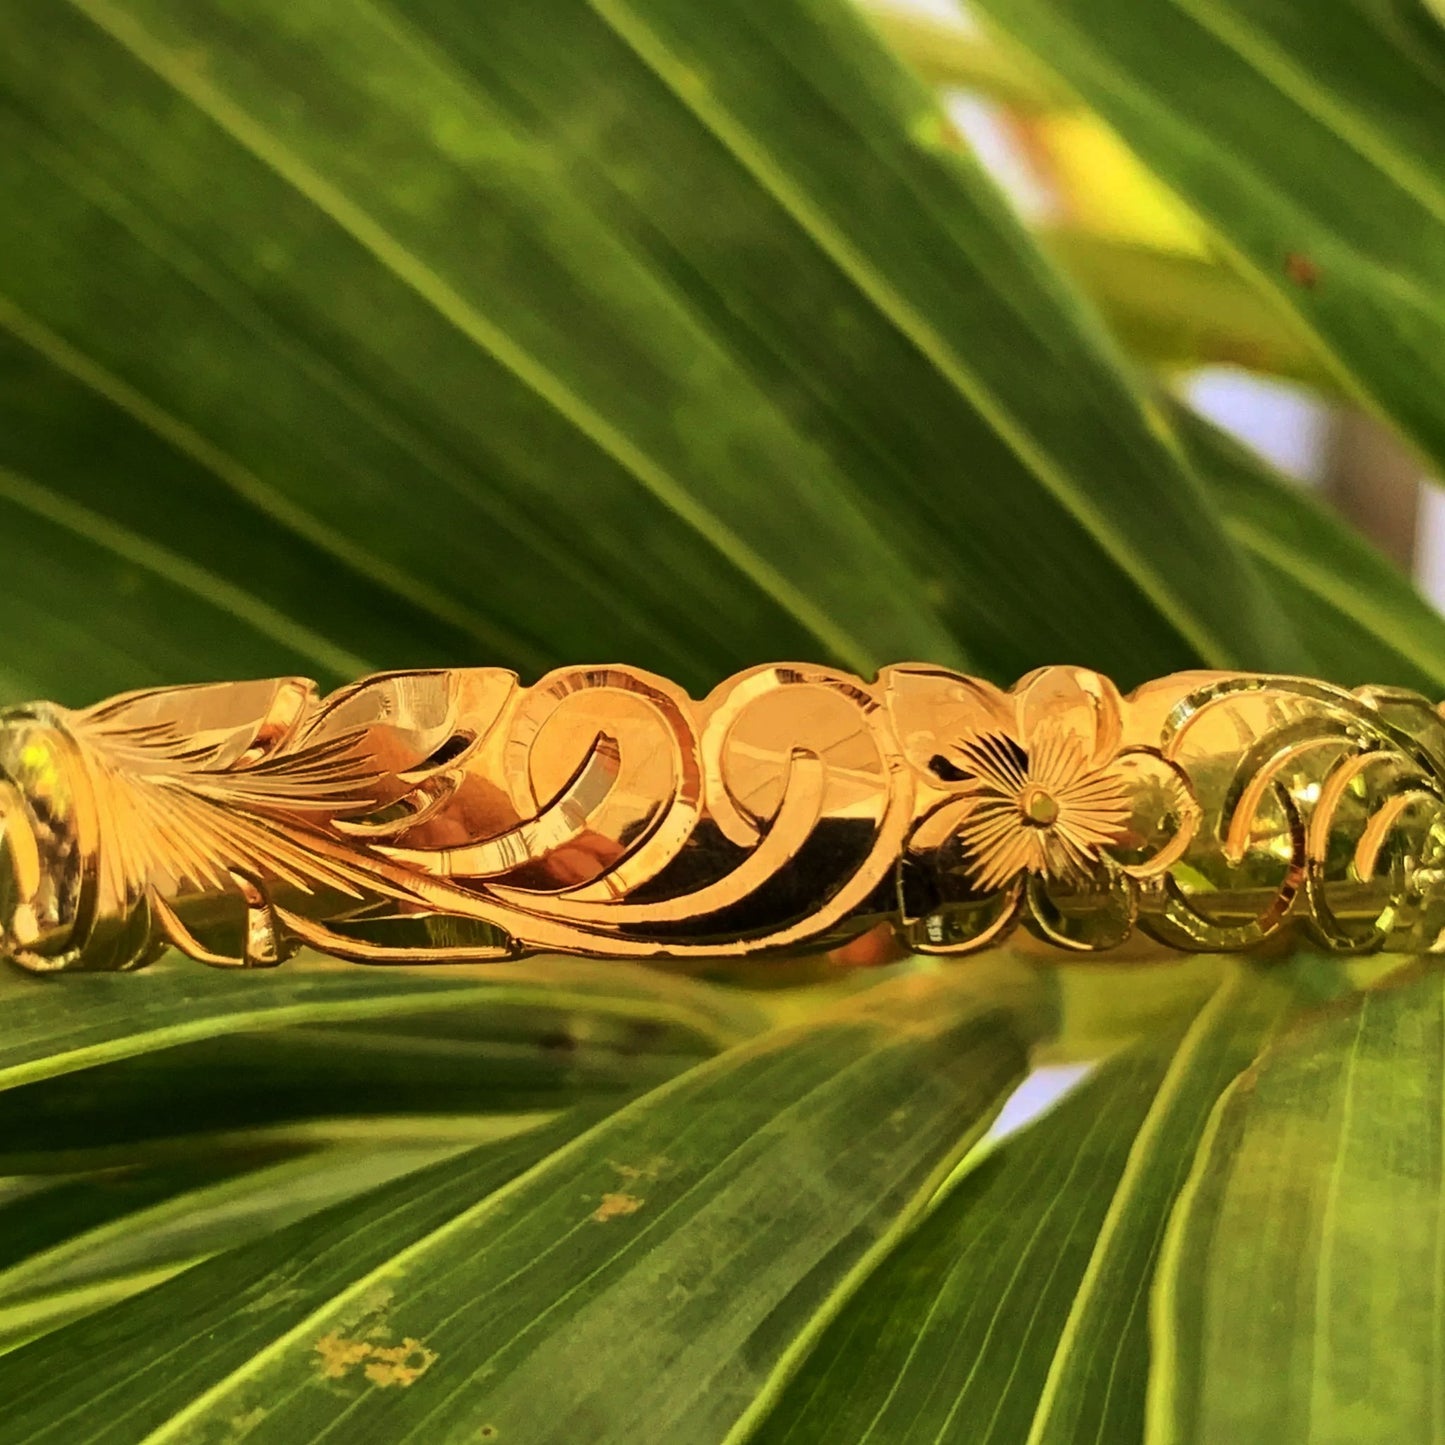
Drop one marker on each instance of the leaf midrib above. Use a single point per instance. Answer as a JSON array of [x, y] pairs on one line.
[[1257, 51], [179, 572], [981, 399], [479, 329], [245, 483]]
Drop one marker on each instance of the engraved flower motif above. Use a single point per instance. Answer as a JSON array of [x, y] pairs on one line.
[[1043, 806], [1045, 789]]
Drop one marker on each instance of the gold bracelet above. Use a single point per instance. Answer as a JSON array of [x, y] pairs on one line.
[[455, 815]]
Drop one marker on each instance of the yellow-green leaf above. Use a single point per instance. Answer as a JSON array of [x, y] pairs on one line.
[[1017, 1310], [1308, 138], [450, 333], [1301, 1295], [665, 1264]]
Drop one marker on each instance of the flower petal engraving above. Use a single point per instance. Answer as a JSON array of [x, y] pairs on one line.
[[1050, 794]]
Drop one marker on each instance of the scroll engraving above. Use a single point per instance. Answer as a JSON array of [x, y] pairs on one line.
[[456, 815]]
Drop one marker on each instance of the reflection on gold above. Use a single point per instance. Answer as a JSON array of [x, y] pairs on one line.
[[457, 815]]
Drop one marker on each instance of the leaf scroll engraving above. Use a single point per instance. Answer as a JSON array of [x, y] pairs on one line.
[[456, 815]]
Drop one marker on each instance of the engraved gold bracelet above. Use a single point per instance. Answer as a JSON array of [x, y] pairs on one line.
[[456, 816]]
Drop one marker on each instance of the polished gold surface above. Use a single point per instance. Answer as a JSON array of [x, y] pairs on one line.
[[457, 815]]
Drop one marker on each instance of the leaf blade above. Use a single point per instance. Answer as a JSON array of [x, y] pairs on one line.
[[604, 1219], [1361, 618], [939, 435], [992, 1322], [1335, 1291], [57, 1026], [1306, 142], [929, 1351], [1095, 1386]]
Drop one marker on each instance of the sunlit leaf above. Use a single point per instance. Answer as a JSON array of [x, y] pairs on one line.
[[716, 1217], [1307, 138], [1301, 1295], [1179, 311], [1103, 190], [1017, 1309]]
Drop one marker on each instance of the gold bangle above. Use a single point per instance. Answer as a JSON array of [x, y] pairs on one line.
[[455, 815]]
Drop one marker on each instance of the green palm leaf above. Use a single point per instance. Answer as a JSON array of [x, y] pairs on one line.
[[1307, 137], [721, 1217], [518, 336], [1301, 1290]]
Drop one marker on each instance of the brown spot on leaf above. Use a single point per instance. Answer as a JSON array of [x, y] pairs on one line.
[[402, 1364], [384, 1365], [1302, 270], [615, 1205], [650, 1170], [338, 1355]]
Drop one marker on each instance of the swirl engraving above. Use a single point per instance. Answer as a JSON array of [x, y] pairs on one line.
[[457, 815], [1327, 810]]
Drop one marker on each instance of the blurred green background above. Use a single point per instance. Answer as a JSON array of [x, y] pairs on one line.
[[334, 338]]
